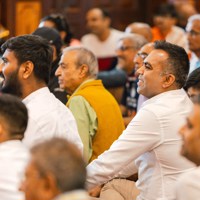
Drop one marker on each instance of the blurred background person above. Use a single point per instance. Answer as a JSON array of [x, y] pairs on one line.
[[184, 11], [193, 36], [102, 38], [59, 22], [54, 39], [165, 19]]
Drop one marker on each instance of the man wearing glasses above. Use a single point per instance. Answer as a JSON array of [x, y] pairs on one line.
[[193, 36]]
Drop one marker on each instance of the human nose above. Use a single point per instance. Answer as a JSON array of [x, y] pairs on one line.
[[140, 70], [182, 131], [57, 72]]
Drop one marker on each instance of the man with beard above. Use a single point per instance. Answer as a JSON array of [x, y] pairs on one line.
[[26, 63], [188, 186]]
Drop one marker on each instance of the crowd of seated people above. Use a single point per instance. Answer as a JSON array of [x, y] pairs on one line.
[[114, 116]]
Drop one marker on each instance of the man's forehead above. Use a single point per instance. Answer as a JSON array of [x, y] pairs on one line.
[[159, 54], [8, 53]]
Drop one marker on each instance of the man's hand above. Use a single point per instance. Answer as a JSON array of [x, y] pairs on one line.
[[95, 192]]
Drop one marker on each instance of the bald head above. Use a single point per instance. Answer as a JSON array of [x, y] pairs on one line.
[[141, 29]]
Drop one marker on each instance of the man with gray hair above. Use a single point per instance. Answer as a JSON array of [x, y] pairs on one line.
[[193, 36], [96, 111], [58, 173], [127, 48]]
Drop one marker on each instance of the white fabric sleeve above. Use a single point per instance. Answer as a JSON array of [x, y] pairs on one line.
[[141, 135]]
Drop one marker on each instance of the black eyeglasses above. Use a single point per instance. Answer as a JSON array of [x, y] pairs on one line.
[[193, 33], [142, 55]]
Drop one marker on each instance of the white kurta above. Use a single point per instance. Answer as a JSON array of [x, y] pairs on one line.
[[188, 186], [48, 117], [14, 157], [152, 141]]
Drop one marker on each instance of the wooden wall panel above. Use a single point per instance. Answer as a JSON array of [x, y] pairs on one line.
[[20, 19], [28, 15]]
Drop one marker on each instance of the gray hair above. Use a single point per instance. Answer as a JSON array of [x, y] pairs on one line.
[[137, 40], [85, 56], [63, 160], [194, 17]]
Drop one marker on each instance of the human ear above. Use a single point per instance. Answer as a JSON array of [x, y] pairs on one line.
[[26, 69], [50, 186], [84, 70], [169, 79]]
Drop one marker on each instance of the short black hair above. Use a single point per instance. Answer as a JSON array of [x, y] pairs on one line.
[[177, 62], [166, 9], [60, 23], [32, 48], [193, 80], [14, 113]]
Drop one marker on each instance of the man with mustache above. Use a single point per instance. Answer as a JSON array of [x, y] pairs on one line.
[[150, 144], [127, 48], [25, 67]]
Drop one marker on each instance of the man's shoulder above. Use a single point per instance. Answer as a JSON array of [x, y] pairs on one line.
[[179, 30]]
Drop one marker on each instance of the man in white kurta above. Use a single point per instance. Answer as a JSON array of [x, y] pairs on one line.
[[150, 144], [13, 158], [14, 155], [188, 186], [26, 63], [49, 117]]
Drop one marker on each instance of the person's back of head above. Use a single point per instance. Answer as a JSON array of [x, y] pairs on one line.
[[33, 49], [60, 166], [13, 118], [59, 22], [51, 35], [192, 85], [141, 29], [177, 63]]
